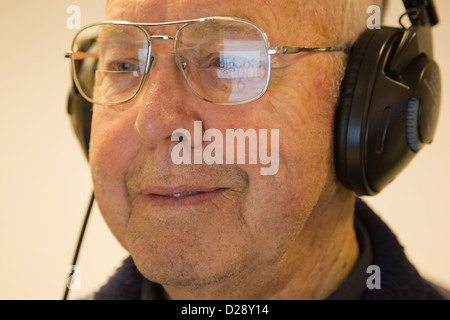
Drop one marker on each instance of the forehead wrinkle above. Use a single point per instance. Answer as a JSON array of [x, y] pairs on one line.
[[282, 20], [295, 22], [131, 9], [322, 22], [136, 11]]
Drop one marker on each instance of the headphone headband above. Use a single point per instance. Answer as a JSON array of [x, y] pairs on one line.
[[430, 16]]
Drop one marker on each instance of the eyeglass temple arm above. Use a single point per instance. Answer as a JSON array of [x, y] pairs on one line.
[[80, 55], [294, 50]]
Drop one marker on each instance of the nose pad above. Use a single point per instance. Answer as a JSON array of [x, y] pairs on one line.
[[181, 64], [152, 62]]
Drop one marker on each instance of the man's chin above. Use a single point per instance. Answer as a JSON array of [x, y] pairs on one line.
[[186, 272]]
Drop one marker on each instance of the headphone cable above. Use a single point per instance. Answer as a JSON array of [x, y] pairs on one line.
[[80, 240]]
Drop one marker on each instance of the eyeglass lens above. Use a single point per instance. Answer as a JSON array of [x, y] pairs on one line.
[[222, 61]]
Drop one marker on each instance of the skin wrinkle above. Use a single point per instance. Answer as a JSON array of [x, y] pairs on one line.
[[288, 236]]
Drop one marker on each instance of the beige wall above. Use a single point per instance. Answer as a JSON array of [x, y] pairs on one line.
[[45, 181]]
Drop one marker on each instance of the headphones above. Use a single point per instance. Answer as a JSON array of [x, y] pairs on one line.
[[388, 108]]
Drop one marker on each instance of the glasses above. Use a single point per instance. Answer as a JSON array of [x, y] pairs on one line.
[[226, 61]]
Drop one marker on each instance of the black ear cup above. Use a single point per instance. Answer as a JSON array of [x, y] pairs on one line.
[[388, 109], [78, 108], [347, 144], [80, 111]]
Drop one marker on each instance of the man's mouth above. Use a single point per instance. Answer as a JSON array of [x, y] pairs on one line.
[[184, 194], [184, 198]]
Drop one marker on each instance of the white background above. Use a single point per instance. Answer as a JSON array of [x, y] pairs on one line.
[[45, 182]]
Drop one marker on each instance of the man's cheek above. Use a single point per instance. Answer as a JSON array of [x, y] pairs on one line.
[[109, 161], [109, 166], [111, 195]]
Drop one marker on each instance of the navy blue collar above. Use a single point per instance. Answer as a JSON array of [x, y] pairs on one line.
[[355, 284]]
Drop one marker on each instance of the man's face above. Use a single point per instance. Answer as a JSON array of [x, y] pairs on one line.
[[243, 223]]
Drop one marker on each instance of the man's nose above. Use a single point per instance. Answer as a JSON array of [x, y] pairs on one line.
[[165, 103]]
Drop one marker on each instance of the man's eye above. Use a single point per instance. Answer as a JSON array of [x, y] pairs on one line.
[[123, 67], [210, 61]]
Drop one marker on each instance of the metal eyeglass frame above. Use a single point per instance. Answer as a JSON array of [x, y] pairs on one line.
[[277, 50]]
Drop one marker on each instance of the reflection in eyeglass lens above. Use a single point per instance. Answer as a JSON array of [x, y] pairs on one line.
[[222, 61]]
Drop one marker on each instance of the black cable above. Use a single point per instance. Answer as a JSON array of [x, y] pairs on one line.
[[80, 240]]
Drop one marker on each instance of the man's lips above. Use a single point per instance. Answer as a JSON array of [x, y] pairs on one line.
[[179, 195], [179, 191], [183, 196]]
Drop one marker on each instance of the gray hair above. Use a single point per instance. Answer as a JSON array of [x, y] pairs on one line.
[[351, 16]]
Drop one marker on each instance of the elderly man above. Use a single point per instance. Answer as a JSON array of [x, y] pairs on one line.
[[220, 229]]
